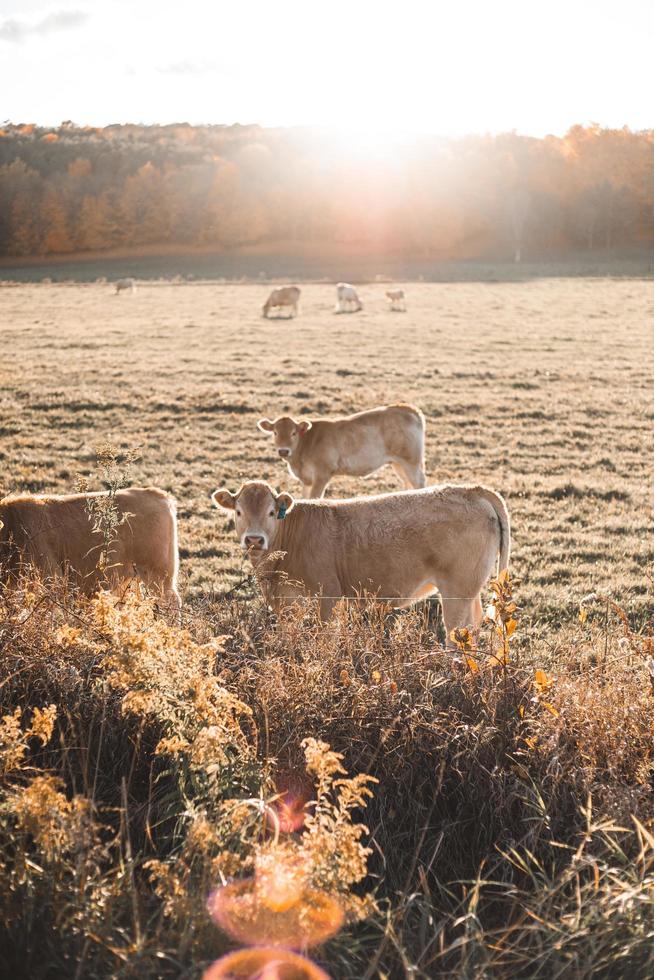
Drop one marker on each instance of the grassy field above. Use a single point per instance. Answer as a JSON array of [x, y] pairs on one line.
[[540, 390], [512, 825]]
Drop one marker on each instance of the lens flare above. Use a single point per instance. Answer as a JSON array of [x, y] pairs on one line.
[[264, 964], [279, 881], [285, 916]]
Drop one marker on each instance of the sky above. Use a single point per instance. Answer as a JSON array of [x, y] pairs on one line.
[[386, 67]]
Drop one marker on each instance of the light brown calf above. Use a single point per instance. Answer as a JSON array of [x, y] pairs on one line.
[[353, 446], [396, 299], [285, 298], [54, 535], [397, 547]]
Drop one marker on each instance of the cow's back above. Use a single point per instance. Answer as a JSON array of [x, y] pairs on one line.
[[352, 540], [284, 296], [382, 431], [56, 534]]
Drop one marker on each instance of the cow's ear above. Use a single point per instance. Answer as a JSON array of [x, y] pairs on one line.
[[284, 503], [303, 426], [265, 425], [224, 499]]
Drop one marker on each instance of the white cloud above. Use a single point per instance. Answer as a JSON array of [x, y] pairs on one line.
[[60, 20]]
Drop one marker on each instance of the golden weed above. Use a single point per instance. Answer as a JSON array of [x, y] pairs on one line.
[[56, 824]]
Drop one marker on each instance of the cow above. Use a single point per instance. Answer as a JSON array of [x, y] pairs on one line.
[[284, 298], [394, 548], [356, 445], [396, 300], [347, 299], [54, 535], [122, 284]]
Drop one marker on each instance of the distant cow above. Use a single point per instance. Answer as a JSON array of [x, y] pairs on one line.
[[286, 299], [396, 547], [54, 535], [396, 299], [125, 284], [347, 299], [356, 445]]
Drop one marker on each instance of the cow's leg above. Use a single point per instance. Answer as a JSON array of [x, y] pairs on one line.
[[172, 604], [458, 613], [401, 472], [411, 474], [327, 604], [418, 476], [168, 599], [477, 612], [330, 594], [318, 487]]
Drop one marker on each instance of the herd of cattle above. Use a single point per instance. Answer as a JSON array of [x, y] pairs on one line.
[[285, 299], [392, 547]]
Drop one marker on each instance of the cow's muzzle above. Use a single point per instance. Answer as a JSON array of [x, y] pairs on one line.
[[257, 541]]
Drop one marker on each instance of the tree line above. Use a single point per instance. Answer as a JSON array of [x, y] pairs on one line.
[[77, 189]]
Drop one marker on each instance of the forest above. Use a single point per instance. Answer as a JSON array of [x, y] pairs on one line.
[[76, 189]]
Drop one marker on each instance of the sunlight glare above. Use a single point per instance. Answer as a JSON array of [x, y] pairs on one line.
[[264, 964]]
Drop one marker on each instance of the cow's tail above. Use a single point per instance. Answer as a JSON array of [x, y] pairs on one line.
[[498, 504]]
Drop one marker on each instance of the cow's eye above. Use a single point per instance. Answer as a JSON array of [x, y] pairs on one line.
[[294, 432], [271, 514], [238, 513]]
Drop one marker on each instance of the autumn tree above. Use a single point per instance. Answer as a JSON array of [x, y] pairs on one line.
[[497, 196], [53, 216]]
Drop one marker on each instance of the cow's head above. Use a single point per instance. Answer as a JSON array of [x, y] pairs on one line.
[[257, 509], [286, 432]]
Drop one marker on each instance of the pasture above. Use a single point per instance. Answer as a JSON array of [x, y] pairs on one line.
[[541, 390], [510, 830]]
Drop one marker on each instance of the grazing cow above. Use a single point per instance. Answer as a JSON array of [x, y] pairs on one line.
[[395, 547], [125, 284], [285, 298], [396, 299], [54, 535], [347, 299], [357, 445]]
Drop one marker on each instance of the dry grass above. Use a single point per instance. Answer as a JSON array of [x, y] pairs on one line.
[[511, 825], [542, 390]]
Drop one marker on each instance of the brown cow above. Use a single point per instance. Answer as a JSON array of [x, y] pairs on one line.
[[397, 547], [54, 535], [284, 298], [356, 445]]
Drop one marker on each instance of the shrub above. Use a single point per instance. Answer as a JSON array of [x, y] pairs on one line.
[[145, 766]]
